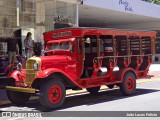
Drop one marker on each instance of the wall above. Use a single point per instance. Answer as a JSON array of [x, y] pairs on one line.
[[7, 17]]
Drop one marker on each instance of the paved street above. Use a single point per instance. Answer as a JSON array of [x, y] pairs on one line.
[[146, 98]]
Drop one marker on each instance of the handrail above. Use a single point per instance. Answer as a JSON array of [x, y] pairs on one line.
[[96, 58]]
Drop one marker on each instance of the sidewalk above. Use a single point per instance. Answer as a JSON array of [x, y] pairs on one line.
[[154, 70]]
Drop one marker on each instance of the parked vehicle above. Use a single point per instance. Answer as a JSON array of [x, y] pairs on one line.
[[78, 58]]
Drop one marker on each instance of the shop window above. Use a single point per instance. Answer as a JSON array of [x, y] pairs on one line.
[[157, 45]]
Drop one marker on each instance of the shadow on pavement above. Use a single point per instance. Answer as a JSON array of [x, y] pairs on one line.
[[85, 99]]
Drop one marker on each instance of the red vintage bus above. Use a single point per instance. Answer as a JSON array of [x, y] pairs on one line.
[[78, 58]]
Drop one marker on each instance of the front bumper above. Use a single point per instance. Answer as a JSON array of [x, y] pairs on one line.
[[8, 84], [20, 89]]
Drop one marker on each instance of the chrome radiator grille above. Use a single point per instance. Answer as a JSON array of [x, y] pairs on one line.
[[30, 76], [30, 72]]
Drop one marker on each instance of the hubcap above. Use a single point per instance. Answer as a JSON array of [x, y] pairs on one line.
[[130, 84], [55, 94]]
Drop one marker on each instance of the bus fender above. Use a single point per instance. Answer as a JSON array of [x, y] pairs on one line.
[[14, 75], [120, 75], [48, 72]]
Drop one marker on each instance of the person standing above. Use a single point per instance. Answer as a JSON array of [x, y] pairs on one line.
[[28, 43], [13, 49]]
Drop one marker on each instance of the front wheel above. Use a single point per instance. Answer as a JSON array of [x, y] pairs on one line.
[[52, 94], [128, 86], [93, 90], [18, 98]]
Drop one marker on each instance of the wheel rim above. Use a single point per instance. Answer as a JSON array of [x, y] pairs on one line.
[[130, 84], [55, 94]]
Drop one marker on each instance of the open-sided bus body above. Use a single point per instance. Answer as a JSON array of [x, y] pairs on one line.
[[77, 58]]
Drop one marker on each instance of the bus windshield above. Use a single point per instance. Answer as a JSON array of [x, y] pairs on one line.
[[67, 45]]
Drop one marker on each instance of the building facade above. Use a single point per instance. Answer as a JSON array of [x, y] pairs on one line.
[[35, 16], [54, 14], [39, 16]]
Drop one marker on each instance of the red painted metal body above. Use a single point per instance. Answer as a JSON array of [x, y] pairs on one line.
[[82, 68]]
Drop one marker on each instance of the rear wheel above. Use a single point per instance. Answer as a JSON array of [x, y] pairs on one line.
[[93, 90], [18, 98], [52, 94], [128, 86]]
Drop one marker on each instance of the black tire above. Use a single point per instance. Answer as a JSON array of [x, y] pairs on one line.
[[18, 98], [48, 98], [93, 90], [128, 86], [110, 86]]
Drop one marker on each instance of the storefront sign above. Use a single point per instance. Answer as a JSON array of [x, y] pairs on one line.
[[61, 18], [126, 5], [62, 34]]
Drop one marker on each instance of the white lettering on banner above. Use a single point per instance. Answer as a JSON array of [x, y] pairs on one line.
[[126, 5], [62, 34]]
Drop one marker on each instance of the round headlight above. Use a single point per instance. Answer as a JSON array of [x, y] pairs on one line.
[[35, 66], [19, 66]]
